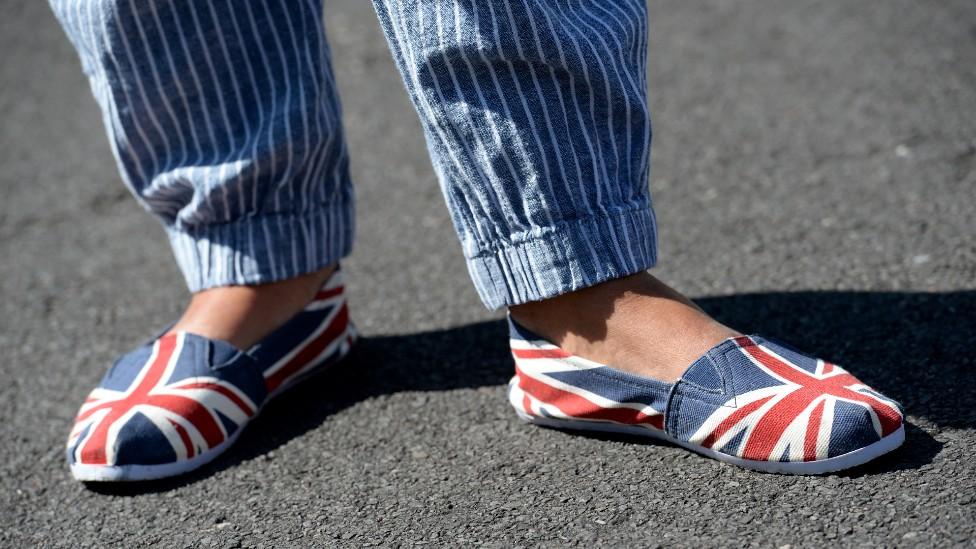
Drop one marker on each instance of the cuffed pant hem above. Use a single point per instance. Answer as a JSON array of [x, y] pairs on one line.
[[568, 257], [267, 248]]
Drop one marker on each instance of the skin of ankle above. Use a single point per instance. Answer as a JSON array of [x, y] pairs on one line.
[[635, 323], [244, 315]]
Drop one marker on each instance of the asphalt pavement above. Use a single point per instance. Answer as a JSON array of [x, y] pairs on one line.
[[814, 175]]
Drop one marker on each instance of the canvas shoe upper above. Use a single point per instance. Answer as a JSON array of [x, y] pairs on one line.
[[749, 401], [180, 400]]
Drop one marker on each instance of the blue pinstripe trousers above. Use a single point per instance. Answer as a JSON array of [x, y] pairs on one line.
[[225, 122]]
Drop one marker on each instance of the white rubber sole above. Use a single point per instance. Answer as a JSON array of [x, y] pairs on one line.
[[134, 473], [830, 465]]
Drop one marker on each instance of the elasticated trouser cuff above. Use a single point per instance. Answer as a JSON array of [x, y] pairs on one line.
[[567, 257], [259, 249]]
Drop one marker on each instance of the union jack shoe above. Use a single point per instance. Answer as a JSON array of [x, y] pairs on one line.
[[179, 401], [748, 401]]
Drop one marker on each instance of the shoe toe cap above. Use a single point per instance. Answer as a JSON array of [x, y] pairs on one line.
[[137, 442], [859, 425]]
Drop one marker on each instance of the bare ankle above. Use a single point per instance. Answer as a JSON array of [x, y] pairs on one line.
[[636, 323], [243, 315], [586, 312]]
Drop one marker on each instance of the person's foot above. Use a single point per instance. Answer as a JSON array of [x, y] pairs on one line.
[[174, 403], [635, 323], [243, 315], [746, 400], [749, 401]]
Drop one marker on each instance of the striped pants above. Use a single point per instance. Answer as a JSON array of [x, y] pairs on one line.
[[225, 122]]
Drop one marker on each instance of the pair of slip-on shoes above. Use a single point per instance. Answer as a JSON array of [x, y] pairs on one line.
[[179, 401]]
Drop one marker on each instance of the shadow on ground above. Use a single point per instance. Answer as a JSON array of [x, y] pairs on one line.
[[915, 347]]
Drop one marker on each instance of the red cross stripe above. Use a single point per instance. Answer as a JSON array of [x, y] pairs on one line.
[[806, 388], [311, 351], [574, 402], [149, 392]]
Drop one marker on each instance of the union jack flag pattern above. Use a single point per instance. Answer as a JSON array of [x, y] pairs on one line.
[[179, 401], [748, 401]]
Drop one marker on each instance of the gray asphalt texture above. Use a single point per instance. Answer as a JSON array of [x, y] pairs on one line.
[[815, 180]]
